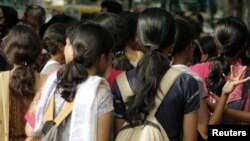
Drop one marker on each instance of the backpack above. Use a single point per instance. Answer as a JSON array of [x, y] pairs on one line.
[[151, 130]]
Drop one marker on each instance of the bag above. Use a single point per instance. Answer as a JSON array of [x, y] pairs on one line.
[[151, 130], [51, 134], [50, 126]]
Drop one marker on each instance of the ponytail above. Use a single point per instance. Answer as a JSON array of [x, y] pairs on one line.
[[215, 80], [121, 62], [89, 41], [71, 75], [22, 82], [150, 70], [22, 48], [230, 37]]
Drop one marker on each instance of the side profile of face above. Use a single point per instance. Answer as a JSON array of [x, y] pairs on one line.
[[68, 51]]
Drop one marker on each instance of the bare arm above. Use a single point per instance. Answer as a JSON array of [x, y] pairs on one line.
[[218, 112], [233, 113], [104, 126], [230, 85], [118, 125], [203, 118], [190, 126], [238, 115]]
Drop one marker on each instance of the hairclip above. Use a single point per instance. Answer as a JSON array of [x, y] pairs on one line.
[[24, 63], [118, 53]]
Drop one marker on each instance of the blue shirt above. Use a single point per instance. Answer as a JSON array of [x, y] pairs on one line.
[[182, 98]]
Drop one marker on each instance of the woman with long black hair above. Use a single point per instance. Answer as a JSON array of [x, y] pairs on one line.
[[87, 55], [21, 84], [177, 113]]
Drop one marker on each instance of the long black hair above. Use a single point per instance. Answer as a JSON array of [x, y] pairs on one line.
[[22, 47], [155, 34], [54, 35], [117, 28], [184, 35], [208, 46], [245, 55], [230, 37], [89, 41]]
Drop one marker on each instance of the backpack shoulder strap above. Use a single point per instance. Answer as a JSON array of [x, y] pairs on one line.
[[49, 114], [124, 86], [4, 100], [166, 83]]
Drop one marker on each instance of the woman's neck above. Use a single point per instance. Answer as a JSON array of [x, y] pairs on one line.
[[130, 53], [57, 58], [179, 59], [92, 70]]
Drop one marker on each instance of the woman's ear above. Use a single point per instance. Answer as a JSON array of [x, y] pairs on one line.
[[204, 57]]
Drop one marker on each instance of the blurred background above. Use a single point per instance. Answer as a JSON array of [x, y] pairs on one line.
[[211, 10]]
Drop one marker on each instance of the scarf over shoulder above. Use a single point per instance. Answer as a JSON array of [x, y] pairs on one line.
[[83, 125]]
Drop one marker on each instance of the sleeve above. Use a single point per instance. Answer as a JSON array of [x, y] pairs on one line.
[[203, 93], [191, 95], [105, 101], [119, 106]]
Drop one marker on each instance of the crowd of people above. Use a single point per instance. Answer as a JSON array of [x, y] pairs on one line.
[[66, 72]]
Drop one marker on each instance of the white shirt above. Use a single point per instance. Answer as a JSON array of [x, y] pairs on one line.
[[50, 66]]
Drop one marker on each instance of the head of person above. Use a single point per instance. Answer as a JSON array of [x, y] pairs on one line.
[[113, 23], [111, 6], [197, 20], [34, 16], [245, 55], [197, 17], [140, 7], [155, 35], [59, 18], [184, 39], [208, 48], [23, 48], [179, 14], [129, 20], [88, 50], [230, 36], [73, 12], [54, 40], [8, 18]]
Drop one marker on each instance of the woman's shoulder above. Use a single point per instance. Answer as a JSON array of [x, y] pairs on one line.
[[4, 72], [200, 66], [201, 69], [4, 75], [185, 77]]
